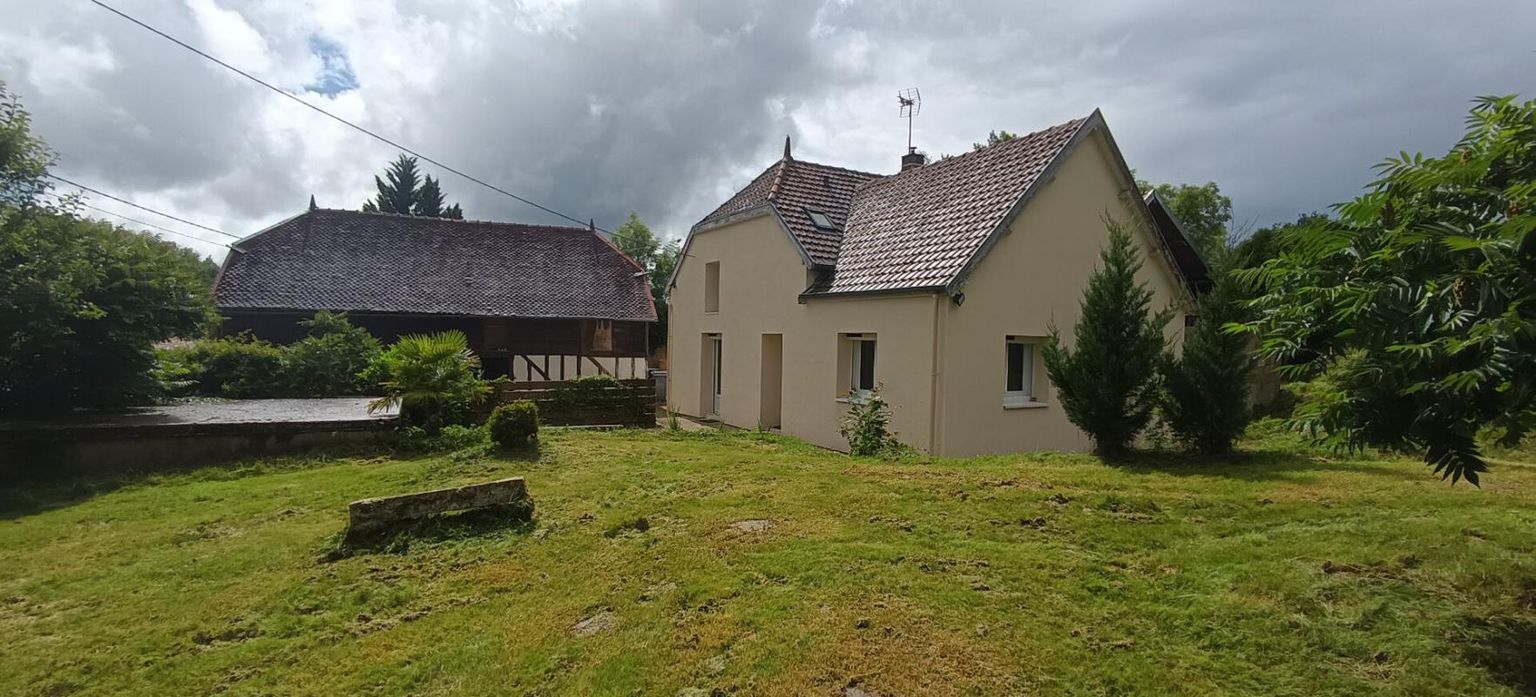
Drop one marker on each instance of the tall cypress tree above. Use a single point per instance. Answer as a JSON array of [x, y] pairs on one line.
[[1206, 386], [403, 190], [1107, 381]]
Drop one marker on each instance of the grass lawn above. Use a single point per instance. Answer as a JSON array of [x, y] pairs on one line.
[[1275, 572]]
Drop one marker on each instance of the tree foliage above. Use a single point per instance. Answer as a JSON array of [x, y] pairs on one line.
[[1107, 380], [993, 138], [1203, 211], [1418, 301], [81, 301], [405, 191], [1206, 384], [635, 238]]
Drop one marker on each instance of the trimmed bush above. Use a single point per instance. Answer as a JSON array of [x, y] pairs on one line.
[[514, 424], [331, 360], [238, 367]]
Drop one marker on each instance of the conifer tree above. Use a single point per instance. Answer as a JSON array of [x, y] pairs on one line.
[[403, 190], [1206, 386], [1107, 380]]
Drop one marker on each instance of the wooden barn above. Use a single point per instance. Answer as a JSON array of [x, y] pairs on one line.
[[537, 302]]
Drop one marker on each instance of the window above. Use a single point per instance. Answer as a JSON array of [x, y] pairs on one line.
[[712, 287], [1019, 385], [602, 335], [820, 220], [861, 364]]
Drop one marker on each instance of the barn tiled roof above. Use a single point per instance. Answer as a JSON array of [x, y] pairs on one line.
[[379, 262], [796, 187], [919, 228]]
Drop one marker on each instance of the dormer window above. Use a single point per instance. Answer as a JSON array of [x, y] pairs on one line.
[[820, 220]]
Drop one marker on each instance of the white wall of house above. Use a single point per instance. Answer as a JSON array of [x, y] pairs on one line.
[[1035, 276], [941, 366], [761, 276]]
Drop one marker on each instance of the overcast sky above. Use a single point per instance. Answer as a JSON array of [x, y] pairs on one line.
[[664, 108]]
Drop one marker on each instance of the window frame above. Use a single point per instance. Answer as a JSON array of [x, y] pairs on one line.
[[813, 214], [711, 287], [1024, 397], [856, 342]]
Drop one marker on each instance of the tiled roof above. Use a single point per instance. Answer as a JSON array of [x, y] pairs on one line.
[[920, 228], [379, 262], [795, 187]]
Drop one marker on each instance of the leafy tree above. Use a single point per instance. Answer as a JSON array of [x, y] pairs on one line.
[[993, 138], [1108, 379], [1206, 385], [661, 272], [1418, 303], [404, 191], [24, 158], [635, 239], [82, 302], [81, 305], [1203, 210]]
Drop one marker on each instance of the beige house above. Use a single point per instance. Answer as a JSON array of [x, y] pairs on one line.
[[936, 285]]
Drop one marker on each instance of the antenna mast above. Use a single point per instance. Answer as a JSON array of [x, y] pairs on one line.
[[911, 102]]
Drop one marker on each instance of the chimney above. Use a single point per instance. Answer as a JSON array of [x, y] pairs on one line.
[[913, 158]]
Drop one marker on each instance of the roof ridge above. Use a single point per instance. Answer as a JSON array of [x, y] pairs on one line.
[[850, 170], [1076, 124], [408, 216], [778, 176]]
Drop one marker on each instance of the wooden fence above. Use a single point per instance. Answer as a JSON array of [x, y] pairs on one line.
[[586, 402]]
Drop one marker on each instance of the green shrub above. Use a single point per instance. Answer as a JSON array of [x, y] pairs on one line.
[[434, 379], [238, 367], [866, 427], [515, 424], [451, 438], [331, 360]]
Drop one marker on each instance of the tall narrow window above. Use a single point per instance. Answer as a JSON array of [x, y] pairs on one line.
[[1019, 385], [861, 364], [712, 287], [602, 335]]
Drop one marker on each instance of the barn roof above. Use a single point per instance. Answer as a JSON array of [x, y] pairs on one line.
[[385, 263]]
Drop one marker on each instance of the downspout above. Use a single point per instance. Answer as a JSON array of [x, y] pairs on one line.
[[936, 379]]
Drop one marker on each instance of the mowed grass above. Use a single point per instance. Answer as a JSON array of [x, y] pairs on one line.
[[1277, 572]]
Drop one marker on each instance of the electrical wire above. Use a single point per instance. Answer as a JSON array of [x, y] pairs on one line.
[[152, 225], [142, 208], [343, 121]]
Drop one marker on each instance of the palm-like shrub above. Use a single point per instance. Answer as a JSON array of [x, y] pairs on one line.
[[434, 379], [1107, 380]]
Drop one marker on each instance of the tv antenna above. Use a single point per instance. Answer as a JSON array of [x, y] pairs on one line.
[[911, 102]]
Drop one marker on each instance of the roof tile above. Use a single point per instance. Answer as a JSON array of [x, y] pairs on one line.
[[379, 262]]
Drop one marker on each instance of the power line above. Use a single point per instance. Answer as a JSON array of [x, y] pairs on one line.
[[343, 121], [142, 208], [152, 225]]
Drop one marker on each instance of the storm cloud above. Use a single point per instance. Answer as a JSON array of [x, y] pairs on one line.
[[664, 107]]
